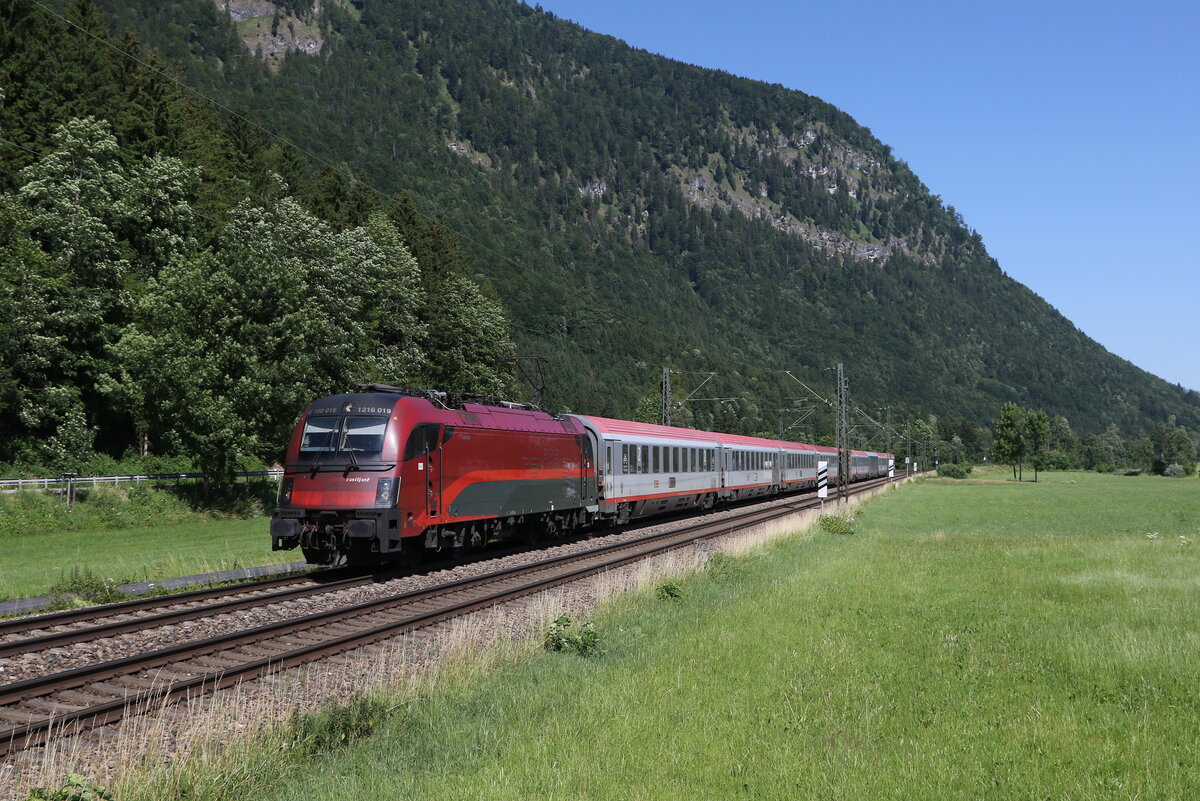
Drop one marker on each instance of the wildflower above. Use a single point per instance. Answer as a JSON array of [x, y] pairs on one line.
[[1184, 540], [1152, 536]]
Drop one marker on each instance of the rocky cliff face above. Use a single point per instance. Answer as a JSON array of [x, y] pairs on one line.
[[271, 32]]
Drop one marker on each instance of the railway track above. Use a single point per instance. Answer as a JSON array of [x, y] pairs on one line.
[[35, 710]]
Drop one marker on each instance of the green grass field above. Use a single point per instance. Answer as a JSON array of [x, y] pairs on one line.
[[978, 639], [33, 562]]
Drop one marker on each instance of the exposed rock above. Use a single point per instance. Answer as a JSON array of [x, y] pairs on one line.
[[271, 32], [593, 189], [475, 156]]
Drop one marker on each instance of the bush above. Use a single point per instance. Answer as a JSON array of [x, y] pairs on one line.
[[953, 470], [669, 591], [836, 525], [1056, 460], [77, 788], [585, 641], [1175, 471], [337, 725], [87, 585]]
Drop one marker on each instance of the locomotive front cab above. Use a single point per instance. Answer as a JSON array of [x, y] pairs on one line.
[[337, 501]]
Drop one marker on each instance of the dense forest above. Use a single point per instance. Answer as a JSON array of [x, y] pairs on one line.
[[177, 283], [471, 180]]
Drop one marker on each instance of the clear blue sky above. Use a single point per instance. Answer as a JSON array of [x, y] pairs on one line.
[[1066, 133]]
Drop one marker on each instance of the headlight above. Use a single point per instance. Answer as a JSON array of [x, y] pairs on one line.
[[285, 492], [385, 491]]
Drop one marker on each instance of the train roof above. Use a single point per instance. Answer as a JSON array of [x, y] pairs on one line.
[[608, 425], [472, 415], [630, 428]]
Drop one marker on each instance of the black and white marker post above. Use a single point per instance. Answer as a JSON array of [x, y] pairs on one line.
[[822, 482]]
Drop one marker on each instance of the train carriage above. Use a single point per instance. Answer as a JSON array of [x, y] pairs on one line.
[[798, 465], [648, 469]]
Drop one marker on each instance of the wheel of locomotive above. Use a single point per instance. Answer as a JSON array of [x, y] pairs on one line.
[[410, 555], [529, 532], [552, 528], [465, 541]]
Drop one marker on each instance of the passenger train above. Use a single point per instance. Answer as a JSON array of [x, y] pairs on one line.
[[390, 473]]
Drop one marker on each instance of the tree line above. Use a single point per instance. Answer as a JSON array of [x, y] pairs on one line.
[[1030, 437]]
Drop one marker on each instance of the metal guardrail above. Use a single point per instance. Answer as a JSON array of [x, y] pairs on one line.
[[95, 482]]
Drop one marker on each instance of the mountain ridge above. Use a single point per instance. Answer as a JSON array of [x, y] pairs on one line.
[[633, 212]]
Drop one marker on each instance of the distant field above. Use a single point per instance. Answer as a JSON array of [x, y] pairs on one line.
[[978, 639], [33, 562]]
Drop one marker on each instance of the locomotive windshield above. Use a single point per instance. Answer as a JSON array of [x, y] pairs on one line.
[[350, 434]]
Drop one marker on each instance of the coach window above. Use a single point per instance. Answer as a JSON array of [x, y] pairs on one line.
[[644, 459], [654, 459]]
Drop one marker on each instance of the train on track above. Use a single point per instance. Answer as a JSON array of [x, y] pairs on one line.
[[391, 474]]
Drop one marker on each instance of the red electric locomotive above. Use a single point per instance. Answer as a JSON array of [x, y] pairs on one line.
[[389, 472]]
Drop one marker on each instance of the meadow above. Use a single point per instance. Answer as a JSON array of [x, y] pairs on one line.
[[124, 536], [970, 639]]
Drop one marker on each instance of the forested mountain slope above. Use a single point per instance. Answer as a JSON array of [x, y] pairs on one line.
[[633, 212]]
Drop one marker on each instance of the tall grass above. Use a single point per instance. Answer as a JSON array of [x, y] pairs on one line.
[[128, 505]]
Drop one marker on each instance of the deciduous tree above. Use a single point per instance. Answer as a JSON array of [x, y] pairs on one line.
[[1037, 438], [1008, 438]]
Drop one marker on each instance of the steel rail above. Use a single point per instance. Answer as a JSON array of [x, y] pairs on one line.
[[241, 595], [244, 655]]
